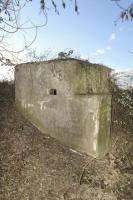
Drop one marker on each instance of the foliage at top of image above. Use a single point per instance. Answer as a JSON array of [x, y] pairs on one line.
[[12, 22], [126, 13], [54, 4]]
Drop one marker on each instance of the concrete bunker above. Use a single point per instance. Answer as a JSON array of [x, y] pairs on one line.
[[68, 99]]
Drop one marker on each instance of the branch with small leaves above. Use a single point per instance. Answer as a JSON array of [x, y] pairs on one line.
[[54, 4], [126, 13]]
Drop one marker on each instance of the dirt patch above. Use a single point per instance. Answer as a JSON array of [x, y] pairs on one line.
[[34, 166]]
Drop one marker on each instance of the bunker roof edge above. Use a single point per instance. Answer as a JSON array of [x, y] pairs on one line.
[[90, 64]]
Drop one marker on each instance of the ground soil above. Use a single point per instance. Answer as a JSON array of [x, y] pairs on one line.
[[34, 166]]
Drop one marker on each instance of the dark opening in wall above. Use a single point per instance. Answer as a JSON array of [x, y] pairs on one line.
[[52, 92]]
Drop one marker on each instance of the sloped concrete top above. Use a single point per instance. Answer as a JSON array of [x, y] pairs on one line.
[[83, 76]]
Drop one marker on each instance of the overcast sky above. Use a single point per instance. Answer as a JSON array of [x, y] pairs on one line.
[[91, 33]]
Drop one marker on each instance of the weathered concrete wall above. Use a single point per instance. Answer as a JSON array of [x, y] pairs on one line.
[[78, 112]]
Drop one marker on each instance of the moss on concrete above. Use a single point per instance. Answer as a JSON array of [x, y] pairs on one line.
[[104, 129]]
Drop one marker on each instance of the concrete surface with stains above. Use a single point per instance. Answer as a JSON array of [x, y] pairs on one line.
[[68, 99]]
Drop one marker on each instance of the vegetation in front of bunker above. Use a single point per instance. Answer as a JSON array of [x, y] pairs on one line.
[[100, 178], [122, 109]]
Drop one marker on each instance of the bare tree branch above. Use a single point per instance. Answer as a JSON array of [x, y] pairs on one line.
[[11, 23]]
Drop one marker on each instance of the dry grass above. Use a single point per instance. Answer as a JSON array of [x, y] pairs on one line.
[[34, 166]]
